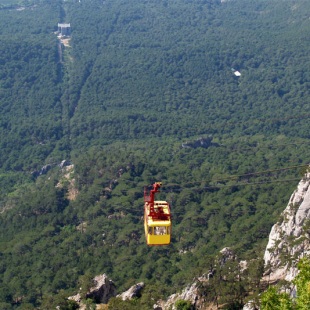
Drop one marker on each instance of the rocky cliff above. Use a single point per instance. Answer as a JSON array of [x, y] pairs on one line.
[[289, 238], [102, 290]]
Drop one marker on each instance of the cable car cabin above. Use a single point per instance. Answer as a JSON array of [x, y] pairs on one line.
[[157, 218], [157, 225]]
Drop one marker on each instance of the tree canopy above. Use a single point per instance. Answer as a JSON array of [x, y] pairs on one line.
[[126, 102]]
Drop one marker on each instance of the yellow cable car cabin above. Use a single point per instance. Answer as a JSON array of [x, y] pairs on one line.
[[157, 218]]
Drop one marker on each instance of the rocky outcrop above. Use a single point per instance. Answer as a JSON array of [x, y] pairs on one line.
[[289, 239], [67, 180], [134, 291], [100, 293], [64, 163], [201, 142], [190, 293], [103, 290], [44, 170]]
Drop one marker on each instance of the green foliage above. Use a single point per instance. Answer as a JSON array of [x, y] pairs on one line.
[[302, 282], [58, 300], [227, 286], [272, 299], [90, 304], [139, 79], [118, 304], [183, 305], [85, 283]]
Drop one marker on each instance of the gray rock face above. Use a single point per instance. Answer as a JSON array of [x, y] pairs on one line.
[[134, 291], [289, 239], [189, 293], [103, 290]]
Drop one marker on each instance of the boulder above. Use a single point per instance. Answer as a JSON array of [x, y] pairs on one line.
[[100, 293], [134, 291], [64, 163], [226, 254], [190, 293], [103, 290], [44, 170]]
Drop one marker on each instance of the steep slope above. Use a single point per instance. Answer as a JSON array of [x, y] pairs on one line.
[[289, 238]]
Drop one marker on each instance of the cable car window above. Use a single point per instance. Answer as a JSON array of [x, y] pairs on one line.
[[162, 230], [150, 230]]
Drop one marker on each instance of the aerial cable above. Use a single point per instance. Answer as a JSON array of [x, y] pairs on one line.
[[260, 172], [237, 176], [220, 186]]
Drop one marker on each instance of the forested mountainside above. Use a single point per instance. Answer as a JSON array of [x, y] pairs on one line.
[[125, 103]]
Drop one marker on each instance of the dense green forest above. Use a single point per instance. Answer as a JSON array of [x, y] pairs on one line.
[[124, 103]]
